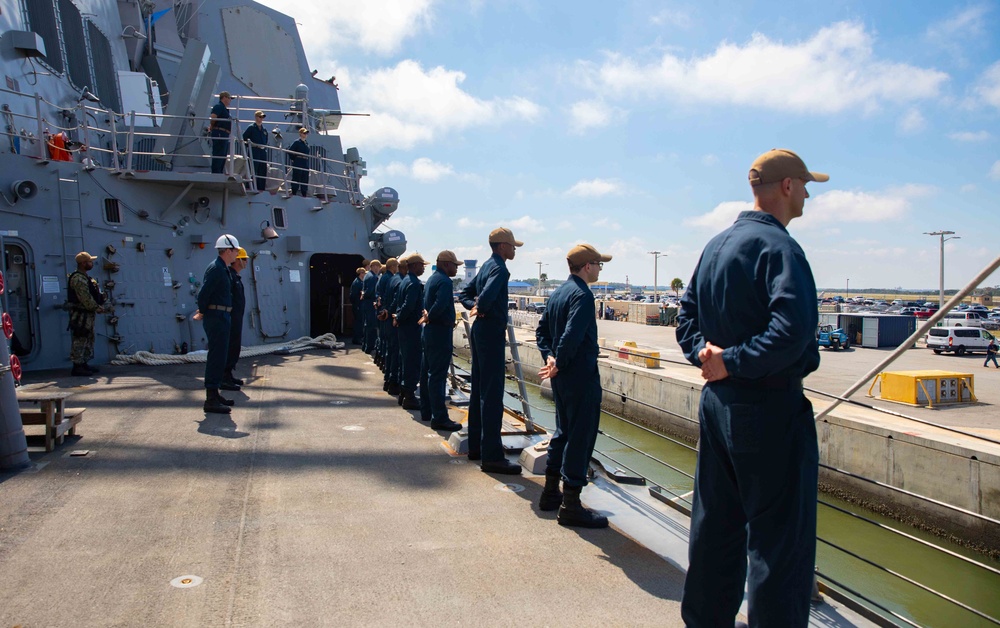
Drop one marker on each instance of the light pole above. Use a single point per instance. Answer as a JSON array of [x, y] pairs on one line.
[[656, 258], [942, 235], [848, 295], [540, 264]]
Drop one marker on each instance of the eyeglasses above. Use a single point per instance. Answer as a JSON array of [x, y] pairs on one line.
[[600, 265]]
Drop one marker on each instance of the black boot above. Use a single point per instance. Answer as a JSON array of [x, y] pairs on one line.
[[92, 369], [385, 385], [399, 398], [551, 497], [80, 370], [393, 389], [410, 401], [573, 514], [224, 401], [214, 402]]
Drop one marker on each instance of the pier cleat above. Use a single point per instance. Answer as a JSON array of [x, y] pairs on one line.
[[502, 466], [573, 514]]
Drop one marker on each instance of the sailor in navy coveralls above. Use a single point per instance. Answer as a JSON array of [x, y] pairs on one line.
[[407, 320], [567, 338], [215, 305], [436, 339], [748, 319], [486, 297]]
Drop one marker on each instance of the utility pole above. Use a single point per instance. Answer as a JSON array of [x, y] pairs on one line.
[[942, 235], [656, 258], [540, 264]]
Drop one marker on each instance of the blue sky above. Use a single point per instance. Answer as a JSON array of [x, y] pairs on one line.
[[631, 125]]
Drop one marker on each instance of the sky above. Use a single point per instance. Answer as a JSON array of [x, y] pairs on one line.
[[632, 126]]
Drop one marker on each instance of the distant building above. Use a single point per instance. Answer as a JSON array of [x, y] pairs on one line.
[[470, 272], [519, 287]]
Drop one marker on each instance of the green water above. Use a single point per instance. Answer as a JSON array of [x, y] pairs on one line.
[[969, 584]]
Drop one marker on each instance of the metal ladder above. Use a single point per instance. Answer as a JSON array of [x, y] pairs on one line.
[[71, 217]]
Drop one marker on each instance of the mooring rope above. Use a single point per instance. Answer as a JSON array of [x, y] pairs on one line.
[[326, 341]]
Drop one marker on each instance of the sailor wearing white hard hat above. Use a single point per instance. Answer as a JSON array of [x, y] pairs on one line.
[[215, 305]]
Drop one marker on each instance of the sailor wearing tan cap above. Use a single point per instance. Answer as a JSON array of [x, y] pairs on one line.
[[298, 159], [384, 322], [86, 300], [408, 313], [748, 319], [256, 136], [436, 341], [355, 296], [486, 298], [567, 338]]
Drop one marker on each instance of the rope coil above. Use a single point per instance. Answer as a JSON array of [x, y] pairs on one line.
[[326, 341]]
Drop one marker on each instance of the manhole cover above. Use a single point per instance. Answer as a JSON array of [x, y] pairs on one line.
[[353, 428], [186, 582], [509, 488]]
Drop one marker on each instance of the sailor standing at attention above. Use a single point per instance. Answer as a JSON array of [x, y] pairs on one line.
[[368, 313], [229, 381], [382, 314], [486, 298], [408, 314], [215, 305], [356, 287], [86, 301], [436, 340], [219, 127], [256, 135], [748, 319], [567, 338], [393, 362]]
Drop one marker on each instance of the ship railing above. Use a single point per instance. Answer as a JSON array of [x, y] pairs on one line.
[[681, 500], [121, 142]]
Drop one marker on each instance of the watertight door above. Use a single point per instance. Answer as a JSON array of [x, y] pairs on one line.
[[266, 295]]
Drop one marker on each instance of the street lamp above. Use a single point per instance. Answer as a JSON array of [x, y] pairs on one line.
[[656, 258], [540, 264], [942, 235]]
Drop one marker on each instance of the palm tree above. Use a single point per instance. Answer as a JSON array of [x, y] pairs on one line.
[[677, 285]]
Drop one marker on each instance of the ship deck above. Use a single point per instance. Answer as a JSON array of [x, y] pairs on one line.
[[318, 501]]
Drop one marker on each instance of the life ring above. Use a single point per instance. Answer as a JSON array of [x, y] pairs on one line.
[[8, 326]]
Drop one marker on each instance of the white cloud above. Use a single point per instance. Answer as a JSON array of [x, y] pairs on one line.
[[721, 216], [410, 105], [667, 17], [995, 171], [376, 26], [988, 87], [595, 187], [833, 71], [591, 114], [709, 160], [525, 223], [968, 188], [970, 136], [836, 207], [425, 169], [607, 223], [950, 34], [839, 207], [912, 122]]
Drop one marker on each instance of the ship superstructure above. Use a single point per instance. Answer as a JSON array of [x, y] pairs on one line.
[[106, 149]]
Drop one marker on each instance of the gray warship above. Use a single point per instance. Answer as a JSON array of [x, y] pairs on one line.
[[106, 149]]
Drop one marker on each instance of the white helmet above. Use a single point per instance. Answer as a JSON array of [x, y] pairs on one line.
[[227, 241]]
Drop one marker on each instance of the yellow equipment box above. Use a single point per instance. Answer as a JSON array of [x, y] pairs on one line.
[[926, 388]]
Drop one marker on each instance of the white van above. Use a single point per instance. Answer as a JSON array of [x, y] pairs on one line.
[[962, 318], [958, 339]]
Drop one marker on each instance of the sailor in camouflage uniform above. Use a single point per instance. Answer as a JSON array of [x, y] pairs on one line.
[[86, 301]]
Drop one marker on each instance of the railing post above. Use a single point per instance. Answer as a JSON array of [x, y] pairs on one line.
[[85, 128], [131, 141], [42, 148], [519, 373], [114, 141]]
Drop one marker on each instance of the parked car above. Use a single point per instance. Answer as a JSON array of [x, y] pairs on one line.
[[536, 308], [962, 319], [909, 310], [512, 305], [925, 312], [959, 340], [832, 338]]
